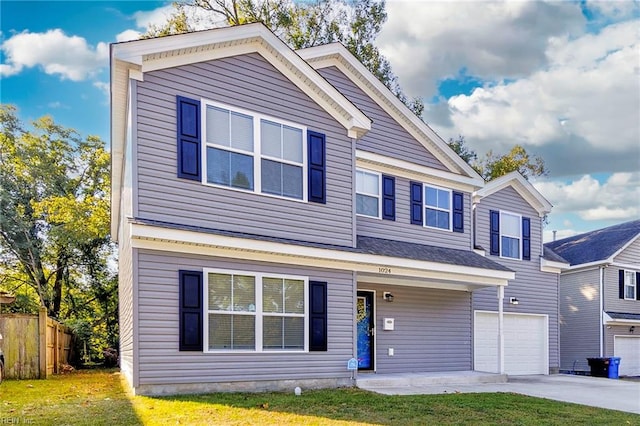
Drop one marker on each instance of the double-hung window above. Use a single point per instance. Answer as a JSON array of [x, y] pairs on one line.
[[437, 207], [510, 235], [368, 189], [255, 312], [630, 285], [253, 152]]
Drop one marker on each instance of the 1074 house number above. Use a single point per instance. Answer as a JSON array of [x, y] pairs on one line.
[[384, 270]]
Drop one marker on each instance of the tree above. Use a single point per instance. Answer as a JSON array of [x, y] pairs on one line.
[[300, 25], [492, 166], [54, 209]]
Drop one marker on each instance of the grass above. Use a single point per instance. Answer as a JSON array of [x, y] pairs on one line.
[[98, 397]]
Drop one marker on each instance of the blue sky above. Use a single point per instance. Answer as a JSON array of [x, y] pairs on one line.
[[559, 78]]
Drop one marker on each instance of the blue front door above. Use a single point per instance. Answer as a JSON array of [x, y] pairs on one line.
[[365, 321]]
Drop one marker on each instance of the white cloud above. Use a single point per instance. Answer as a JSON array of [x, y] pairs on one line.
[[491, 40], [128, 35], [589, 92], [70, 57], [155, 17], [614, 9], [618, 198], [104, 87]]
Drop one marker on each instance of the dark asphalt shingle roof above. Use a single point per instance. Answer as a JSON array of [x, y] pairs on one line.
[[622, 315], [549, 254], [596, 245], [365, 245]]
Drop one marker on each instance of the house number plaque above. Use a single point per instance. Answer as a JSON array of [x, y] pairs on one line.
[[384, 270]]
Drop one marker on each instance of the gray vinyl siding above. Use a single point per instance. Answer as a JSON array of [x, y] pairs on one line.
[[386, 136], [402, 230], [432, 329], [536, 291], [630, 255], [579, 319], [158, 328], [251, 83], [612, 301], [125, 305]]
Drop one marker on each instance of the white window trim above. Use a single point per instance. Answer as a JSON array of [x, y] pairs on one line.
[[258, 313], [519, 216], [425, 207], [257, 150], [379, 196], [633, 285]]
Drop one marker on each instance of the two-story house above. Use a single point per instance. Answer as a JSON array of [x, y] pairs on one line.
[[280, 213], [600, 297]]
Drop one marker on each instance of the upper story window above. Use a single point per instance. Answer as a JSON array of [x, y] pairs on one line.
[[368, 189], [252, 152], [630, 285], [255, 312], [510, 235], [437, 207]]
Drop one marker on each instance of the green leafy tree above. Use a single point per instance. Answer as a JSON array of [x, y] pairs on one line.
[[462, 149], [54, 209], [356, 24]]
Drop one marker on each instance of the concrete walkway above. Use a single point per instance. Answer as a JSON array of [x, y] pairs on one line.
[[620, 395]]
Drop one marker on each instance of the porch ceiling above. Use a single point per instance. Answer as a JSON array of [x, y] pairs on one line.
[[398, 280]]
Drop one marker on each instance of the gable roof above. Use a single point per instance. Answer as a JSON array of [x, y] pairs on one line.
[[522, 187], [130, 60], [601, 245], [335, 54]]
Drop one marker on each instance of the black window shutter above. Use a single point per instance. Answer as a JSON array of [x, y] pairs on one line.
[[190, 311], [458, 212], [526, 238], [188, 115], [317, 167], [416, 203], [637, 285], [494, 221], [317, 316], [621, 283], [388, 197]]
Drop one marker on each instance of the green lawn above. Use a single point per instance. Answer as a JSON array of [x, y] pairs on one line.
[[98, 397]]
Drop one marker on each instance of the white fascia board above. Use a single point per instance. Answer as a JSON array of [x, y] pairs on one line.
[[627, 266], [522, 187], [158, 238], [414, 171], [119, 96], [183, 49], [552, 266], [618, 321], [587, 266], [335, 54]]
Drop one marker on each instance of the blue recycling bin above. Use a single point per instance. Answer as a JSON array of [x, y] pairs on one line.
[[614, 362]]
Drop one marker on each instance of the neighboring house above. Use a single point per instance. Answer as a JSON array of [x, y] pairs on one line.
[[600, 297], [279, 213]]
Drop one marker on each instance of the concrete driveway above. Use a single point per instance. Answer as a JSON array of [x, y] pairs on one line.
[[620, 395]]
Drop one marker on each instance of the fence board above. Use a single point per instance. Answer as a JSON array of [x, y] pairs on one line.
[[34, 346]]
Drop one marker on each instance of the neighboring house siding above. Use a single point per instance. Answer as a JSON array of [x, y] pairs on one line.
[[630, 255], [536, 291], [402, 230], [251, 83], [579, 318], [432, 329], [158, 323], [612, 301], [386, 136]]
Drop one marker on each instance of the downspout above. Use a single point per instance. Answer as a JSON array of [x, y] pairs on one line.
[[500, 330], [601, 311]]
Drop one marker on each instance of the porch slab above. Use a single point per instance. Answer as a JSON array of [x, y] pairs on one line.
[[377, 382]]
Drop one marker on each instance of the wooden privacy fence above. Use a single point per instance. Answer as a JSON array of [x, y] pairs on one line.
[[34, 346]]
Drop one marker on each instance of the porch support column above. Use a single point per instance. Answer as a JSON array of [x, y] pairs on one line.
[[500, 330]]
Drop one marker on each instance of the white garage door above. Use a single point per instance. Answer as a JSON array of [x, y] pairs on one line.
[[628, 349], [526, 343]]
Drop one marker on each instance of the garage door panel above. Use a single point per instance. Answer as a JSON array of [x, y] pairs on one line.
[[628, 349], [525, 343]]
